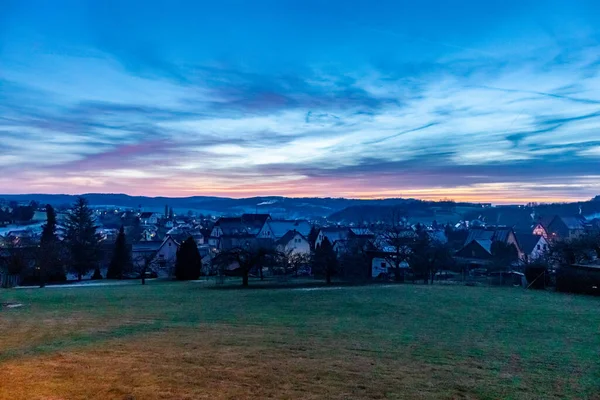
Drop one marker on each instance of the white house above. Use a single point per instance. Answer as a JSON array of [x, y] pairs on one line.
[[532, 246], [165, 255], [149, 218], [380, 266], [294, 242]]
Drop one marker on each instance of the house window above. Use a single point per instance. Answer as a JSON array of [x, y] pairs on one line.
[[383, 265], [539, 247], [169, 244]]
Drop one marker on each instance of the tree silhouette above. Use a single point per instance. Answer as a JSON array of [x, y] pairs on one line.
[[82, 239], [325, 260], [121, 258], [49, 258], [188, 264]]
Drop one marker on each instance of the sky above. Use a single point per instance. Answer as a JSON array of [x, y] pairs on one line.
[[465, 100]]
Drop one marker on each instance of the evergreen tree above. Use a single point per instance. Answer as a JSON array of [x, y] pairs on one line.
[[49, 262], [325, 262], [189, 263], [81, 239], [171, 214], [121, 258], [166, 211], [312, 237], [135, 233]]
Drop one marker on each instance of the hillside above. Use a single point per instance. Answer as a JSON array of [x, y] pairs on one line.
[[519, 216], [277, 206]]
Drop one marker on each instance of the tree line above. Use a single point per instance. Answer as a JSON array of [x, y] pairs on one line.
[[80, 252], [17, 213]]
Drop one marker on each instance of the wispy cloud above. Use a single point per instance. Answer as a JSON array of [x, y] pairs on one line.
[[467, 122]]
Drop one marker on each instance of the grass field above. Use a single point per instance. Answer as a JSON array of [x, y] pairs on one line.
[[188, 341]]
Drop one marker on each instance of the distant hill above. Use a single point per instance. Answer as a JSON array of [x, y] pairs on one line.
[[521, 217], [335, 209], [277, 206], [415, 210]]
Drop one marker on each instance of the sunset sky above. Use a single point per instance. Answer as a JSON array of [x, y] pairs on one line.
[[467, 101]]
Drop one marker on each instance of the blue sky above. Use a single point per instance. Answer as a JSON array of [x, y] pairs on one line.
[[467, 100]]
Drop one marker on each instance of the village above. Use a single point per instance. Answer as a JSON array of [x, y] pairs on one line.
[[472, 252]]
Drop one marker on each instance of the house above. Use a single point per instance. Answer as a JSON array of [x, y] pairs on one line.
[[381, 266], [162, 254], [181, 235], [477, 250], [276, 229], [476, 254], [494, 234], [532, 246], [294, 242], [540, 228], [437, 236], [562, 228], [333, 234], [150, 233], [385, 243], [353, 236], [149, 218], [230, 232], [361, 233]]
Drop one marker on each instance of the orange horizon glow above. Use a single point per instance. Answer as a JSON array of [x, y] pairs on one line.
[[425, 195]]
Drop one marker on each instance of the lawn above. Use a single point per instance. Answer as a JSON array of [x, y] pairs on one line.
[[190, 341]]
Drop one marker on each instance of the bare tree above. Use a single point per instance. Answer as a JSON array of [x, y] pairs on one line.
[[569, 252], [397, 244], [292, 263], [244, 260], [145, 263], [429, 256], [14, 258], [354, 259]]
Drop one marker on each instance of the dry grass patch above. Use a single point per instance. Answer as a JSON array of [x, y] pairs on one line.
[[222, 362]]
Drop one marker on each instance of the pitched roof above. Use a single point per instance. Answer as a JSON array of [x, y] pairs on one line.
[[527, 242], [232, 226], [246, 224], [255, 219], [361, 232], [545, 220], [334, 234], [285, 239], [478, 249], [146, 215], [281, 227], [573, 223], [485, 244], [439, 236], [495, 234]]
